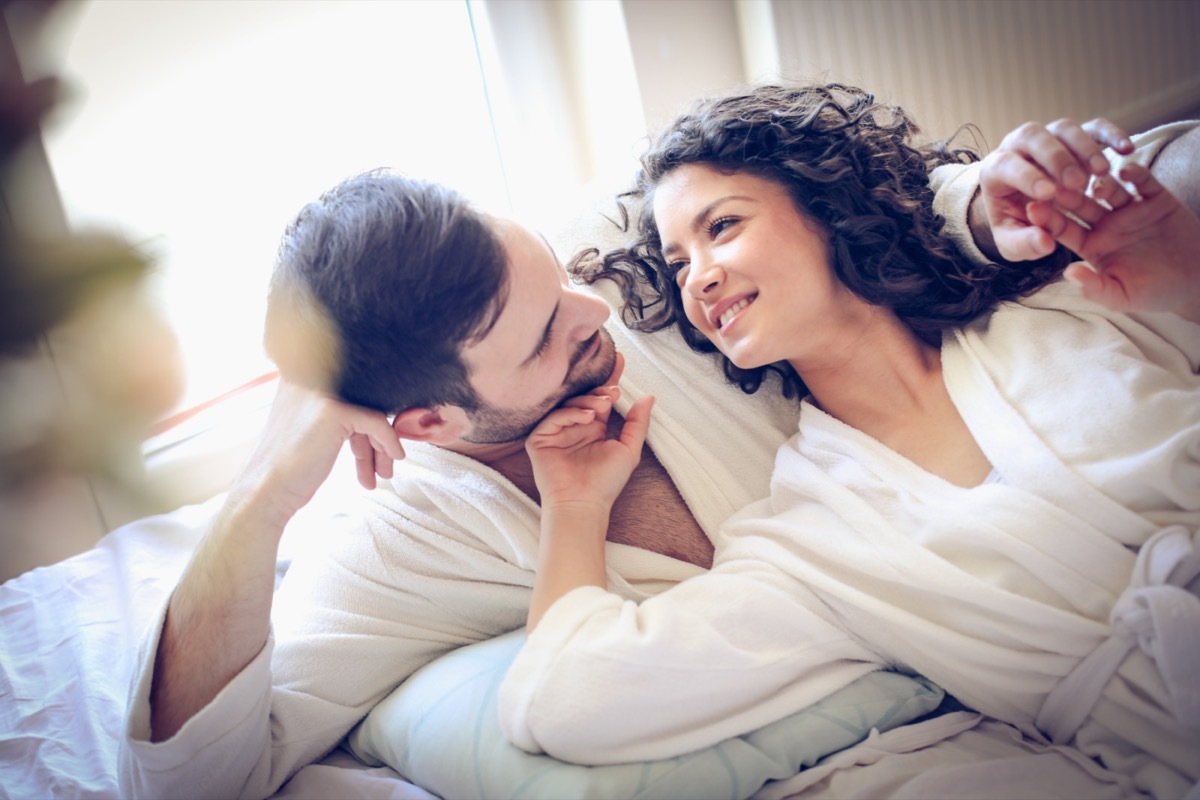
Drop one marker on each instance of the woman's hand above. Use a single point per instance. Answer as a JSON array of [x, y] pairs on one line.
[[574, 461], [1050, 164], [1142, 250], [579, 473]]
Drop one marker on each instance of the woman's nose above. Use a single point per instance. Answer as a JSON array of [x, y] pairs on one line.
[[703, 276]]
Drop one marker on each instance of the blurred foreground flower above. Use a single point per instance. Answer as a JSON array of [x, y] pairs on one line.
[[86, 364]]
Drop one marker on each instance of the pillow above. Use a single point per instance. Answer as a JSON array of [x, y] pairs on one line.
[[441, 730]]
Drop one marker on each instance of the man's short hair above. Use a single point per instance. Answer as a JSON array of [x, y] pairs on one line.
[[378, 286]]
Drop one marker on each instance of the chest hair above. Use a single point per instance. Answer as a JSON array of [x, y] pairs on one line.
[[649, 513]]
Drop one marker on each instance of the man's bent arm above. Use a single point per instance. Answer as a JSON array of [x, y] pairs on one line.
[[218, 618]]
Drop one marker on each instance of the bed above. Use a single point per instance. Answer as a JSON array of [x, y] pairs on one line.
[[69, 634]]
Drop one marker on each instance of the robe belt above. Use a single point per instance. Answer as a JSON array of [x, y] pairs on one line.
[[1160, 613]]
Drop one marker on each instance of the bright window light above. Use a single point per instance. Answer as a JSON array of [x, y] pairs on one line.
[[200, 128]]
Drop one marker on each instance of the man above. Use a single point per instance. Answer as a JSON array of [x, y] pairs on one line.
[[465, 328], [469, 333]]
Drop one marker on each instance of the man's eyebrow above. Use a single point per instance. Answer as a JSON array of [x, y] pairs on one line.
[[698, 220]]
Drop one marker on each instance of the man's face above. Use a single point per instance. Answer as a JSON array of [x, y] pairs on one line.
[[547, 344]]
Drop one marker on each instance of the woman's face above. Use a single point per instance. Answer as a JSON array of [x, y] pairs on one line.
[[754, 273]]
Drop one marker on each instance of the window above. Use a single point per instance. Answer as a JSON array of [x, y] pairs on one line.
[[199, 129]]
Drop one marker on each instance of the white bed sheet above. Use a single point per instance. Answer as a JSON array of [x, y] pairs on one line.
[[69, 636]]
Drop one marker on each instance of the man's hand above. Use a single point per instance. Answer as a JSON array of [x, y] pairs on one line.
[[574, 461], [219, 615], [1051, 163], [300, 443], [1142, 248]]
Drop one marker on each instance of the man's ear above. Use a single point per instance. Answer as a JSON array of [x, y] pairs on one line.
[[441, 425]]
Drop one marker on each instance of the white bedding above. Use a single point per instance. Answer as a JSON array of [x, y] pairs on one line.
[[69, 632], [68, 638]]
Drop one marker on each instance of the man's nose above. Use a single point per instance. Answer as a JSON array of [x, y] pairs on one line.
[[588, 313]]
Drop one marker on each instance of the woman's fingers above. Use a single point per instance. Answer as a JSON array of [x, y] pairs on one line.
[[1063, 152], [1142, 180], [1057, 225], [1094, 287], [1011, 171], [637, 424], [562, 418], [1048, 154], [1110, 191], [601, 401], [1110, 194], [1109, 134], [1084, 146]]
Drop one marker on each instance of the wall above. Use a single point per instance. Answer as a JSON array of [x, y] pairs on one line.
[[997, 63], [682, 50]]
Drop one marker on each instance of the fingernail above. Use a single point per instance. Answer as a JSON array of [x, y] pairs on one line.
[[1098, 163], [1042, 188]]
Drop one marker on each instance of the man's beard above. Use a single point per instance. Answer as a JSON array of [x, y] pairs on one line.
[[492, 425]]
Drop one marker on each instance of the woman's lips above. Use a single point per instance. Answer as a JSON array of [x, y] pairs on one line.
[[724, 313]]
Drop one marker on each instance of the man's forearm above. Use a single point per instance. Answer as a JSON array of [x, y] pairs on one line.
[[218, 619]]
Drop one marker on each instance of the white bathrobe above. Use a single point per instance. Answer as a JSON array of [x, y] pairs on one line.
[[997, 593]]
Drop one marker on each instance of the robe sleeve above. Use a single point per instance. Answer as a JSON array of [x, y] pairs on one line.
[[348, 625], [954, 186], [602, 680]]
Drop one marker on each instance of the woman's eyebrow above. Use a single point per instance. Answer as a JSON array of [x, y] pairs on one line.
[[698, 220]]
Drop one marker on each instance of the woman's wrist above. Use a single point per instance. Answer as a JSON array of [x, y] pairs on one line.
[[570, 553]]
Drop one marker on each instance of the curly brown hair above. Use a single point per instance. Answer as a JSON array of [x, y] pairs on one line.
[[849, 163]]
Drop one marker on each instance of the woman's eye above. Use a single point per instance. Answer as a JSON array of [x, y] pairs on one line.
[[718, 225], [679, 270]]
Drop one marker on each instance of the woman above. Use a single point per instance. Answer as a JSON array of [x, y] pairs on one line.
[[996, 489]]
